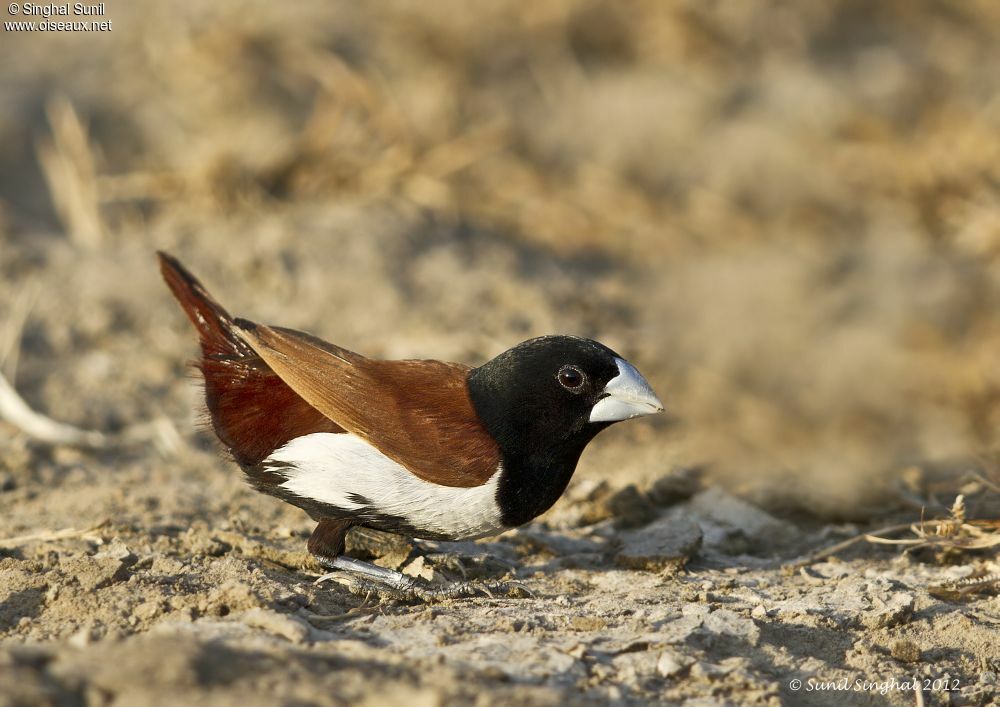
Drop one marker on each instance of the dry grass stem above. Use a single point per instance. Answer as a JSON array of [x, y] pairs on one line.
[[965, 587], [48, 535], [844, 544], [13, 328], [954, 533], [70, 171]]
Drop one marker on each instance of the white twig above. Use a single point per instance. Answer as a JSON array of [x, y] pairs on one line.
[[17, 412], [14, 410]]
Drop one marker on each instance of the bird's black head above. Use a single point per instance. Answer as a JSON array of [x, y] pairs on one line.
[[543, 401]]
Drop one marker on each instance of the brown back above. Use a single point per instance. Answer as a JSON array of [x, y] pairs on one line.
[[417, 413]]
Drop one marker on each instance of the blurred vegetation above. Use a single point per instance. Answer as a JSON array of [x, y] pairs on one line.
[[788, 214]]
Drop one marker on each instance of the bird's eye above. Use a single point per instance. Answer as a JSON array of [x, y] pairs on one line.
[[571, 377]]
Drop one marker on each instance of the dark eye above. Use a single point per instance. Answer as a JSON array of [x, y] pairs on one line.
[[571, 377]]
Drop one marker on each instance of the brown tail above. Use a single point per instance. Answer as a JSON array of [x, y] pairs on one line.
[[253, 411], [215, 326]]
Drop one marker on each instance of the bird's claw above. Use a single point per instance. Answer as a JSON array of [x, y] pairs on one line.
[[476, 567]]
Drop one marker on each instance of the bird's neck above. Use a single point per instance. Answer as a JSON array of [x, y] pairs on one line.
[[531, 483]]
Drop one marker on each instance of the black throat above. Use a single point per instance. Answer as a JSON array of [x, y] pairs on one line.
[[531, 483], [539, 446]]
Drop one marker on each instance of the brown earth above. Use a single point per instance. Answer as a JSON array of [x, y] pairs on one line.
[[785, 215]]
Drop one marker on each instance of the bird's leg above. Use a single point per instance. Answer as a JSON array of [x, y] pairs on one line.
[[363, 578], [381, 543], [328, 539]]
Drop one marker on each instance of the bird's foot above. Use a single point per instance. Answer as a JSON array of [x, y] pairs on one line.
[[476, 567], [365, 579], [416, 591]]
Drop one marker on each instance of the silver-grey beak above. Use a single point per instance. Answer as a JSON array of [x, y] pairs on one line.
[[627, 395]]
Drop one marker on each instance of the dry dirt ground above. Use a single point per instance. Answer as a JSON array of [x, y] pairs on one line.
[[786, 215]]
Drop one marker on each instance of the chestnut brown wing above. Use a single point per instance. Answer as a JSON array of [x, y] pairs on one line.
[[417, 413]]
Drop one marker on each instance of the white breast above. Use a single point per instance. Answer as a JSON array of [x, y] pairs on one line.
[[344, 471]]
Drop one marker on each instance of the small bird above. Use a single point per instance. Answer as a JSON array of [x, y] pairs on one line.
[[433, 450]]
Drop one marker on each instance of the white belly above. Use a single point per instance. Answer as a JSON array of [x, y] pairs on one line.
[[344, 471]]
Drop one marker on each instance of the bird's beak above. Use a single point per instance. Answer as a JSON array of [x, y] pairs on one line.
[[626, 395]]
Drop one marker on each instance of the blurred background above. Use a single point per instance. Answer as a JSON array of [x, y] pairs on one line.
[[786, 215]]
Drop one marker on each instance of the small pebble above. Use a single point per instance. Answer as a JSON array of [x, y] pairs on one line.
[[906, 651], [669, 664], [588, 623]]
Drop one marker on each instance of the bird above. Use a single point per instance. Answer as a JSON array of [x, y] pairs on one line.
[[424, 448]]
